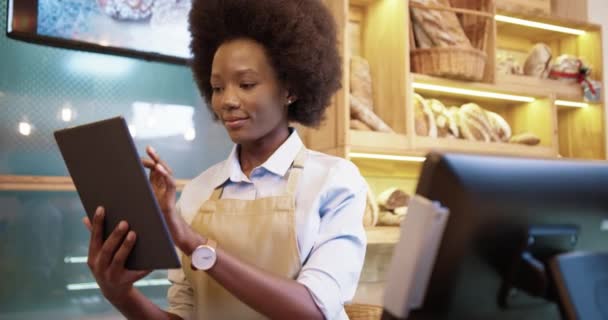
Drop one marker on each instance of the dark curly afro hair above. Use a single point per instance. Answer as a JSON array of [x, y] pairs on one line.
[[299, 37]]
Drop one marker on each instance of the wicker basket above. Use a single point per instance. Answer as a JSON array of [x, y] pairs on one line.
[[451, 62], [462, 63], [359, 311]]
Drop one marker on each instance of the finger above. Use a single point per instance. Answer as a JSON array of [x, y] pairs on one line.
[[152, 153], [138, 275], [87, 223], [111, 244], [121, 255], [148, 163], [168, 179], [97, 232]]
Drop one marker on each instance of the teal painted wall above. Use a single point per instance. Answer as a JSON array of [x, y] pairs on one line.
[[41, 236]]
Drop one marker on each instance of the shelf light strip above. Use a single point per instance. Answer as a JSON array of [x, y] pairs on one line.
[[474, 93], [538, 25], [140, 283], [386, 157], [574, 104]]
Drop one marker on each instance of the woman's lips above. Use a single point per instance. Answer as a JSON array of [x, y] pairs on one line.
[[235, 123]]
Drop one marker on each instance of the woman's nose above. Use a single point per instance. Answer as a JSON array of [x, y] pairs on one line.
[[230, 98]]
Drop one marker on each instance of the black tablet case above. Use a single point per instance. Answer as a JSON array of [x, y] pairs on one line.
[[107, 171]]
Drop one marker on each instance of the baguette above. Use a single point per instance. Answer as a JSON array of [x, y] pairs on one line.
[[442, 27], [356, 124], [526, 138], [361, 81], [360, 112]]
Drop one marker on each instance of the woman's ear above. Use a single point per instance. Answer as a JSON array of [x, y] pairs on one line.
[[291, 98]]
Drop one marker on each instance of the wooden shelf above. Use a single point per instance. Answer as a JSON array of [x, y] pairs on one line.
[[379, 142], [512, 84], [540, 87], [425, 144], [382, 235]]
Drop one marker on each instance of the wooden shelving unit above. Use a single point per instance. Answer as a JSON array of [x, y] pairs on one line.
[[378, 30]]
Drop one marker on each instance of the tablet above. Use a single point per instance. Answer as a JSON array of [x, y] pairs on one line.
[[107, 171]]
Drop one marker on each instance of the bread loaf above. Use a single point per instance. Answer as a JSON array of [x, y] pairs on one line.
[[361, 81], [360, 112], [442, 27], [526, 138], [474, 124], [566, 68], [424, 119], [499, 125], [370, 217], [444, 120], [388, 218], [356, 124], [537, 63], [392, 198]]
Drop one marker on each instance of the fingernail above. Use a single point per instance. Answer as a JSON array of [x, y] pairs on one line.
[[122, 226], [131, 236], [161, 168], [99, 212], [152, 149]]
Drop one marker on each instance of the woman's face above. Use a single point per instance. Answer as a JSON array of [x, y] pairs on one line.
[[247, 97]]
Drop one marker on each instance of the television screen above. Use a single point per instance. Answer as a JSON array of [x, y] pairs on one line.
[[153, 29]]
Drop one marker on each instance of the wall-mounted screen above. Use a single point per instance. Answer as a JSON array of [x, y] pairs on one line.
[[151, 29]]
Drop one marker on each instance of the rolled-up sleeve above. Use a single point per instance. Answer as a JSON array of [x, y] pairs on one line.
[[180, 295], [331, 272]]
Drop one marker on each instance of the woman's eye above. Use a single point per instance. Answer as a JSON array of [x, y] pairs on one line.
[[248, 86]]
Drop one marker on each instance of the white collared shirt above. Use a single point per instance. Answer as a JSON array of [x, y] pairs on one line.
[[330, 202]]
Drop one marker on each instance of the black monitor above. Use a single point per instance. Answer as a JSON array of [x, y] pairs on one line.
[[509, 220]]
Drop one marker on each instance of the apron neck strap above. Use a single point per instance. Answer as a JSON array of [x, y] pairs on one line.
[[296, 171], [292, 180]]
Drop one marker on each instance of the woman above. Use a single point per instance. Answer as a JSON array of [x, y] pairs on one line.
[[275, 230]]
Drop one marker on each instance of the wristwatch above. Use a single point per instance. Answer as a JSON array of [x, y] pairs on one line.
[[204, 256]]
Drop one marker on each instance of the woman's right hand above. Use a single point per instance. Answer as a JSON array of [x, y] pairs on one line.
[[107, 259]]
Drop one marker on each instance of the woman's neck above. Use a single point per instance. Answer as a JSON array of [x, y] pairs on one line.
[[254, 153]]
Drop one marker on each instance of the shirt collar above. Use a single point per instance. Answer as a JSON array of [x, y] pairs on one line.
[[278, 163]]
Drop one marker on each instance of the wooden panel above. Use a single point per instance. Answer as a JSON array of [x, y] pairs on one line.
[[538, 117], [378, 142], [46, 183], [426, 144], [581, 132], [525, 6], [388, 168], [540, 87], [332, 133], [385, 38], [591, 50], [570, 9], [382, 235]]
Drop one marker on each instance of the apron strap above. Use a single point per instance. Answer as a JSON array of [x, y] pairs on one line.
[[295, 172], [217, 193]]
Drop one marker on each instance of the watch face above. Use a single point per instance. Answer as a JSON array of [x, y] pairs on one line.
[[203, 258]]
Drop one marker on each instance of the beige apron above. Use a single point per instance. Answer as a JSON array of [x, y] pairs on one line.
[[260, 232]]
